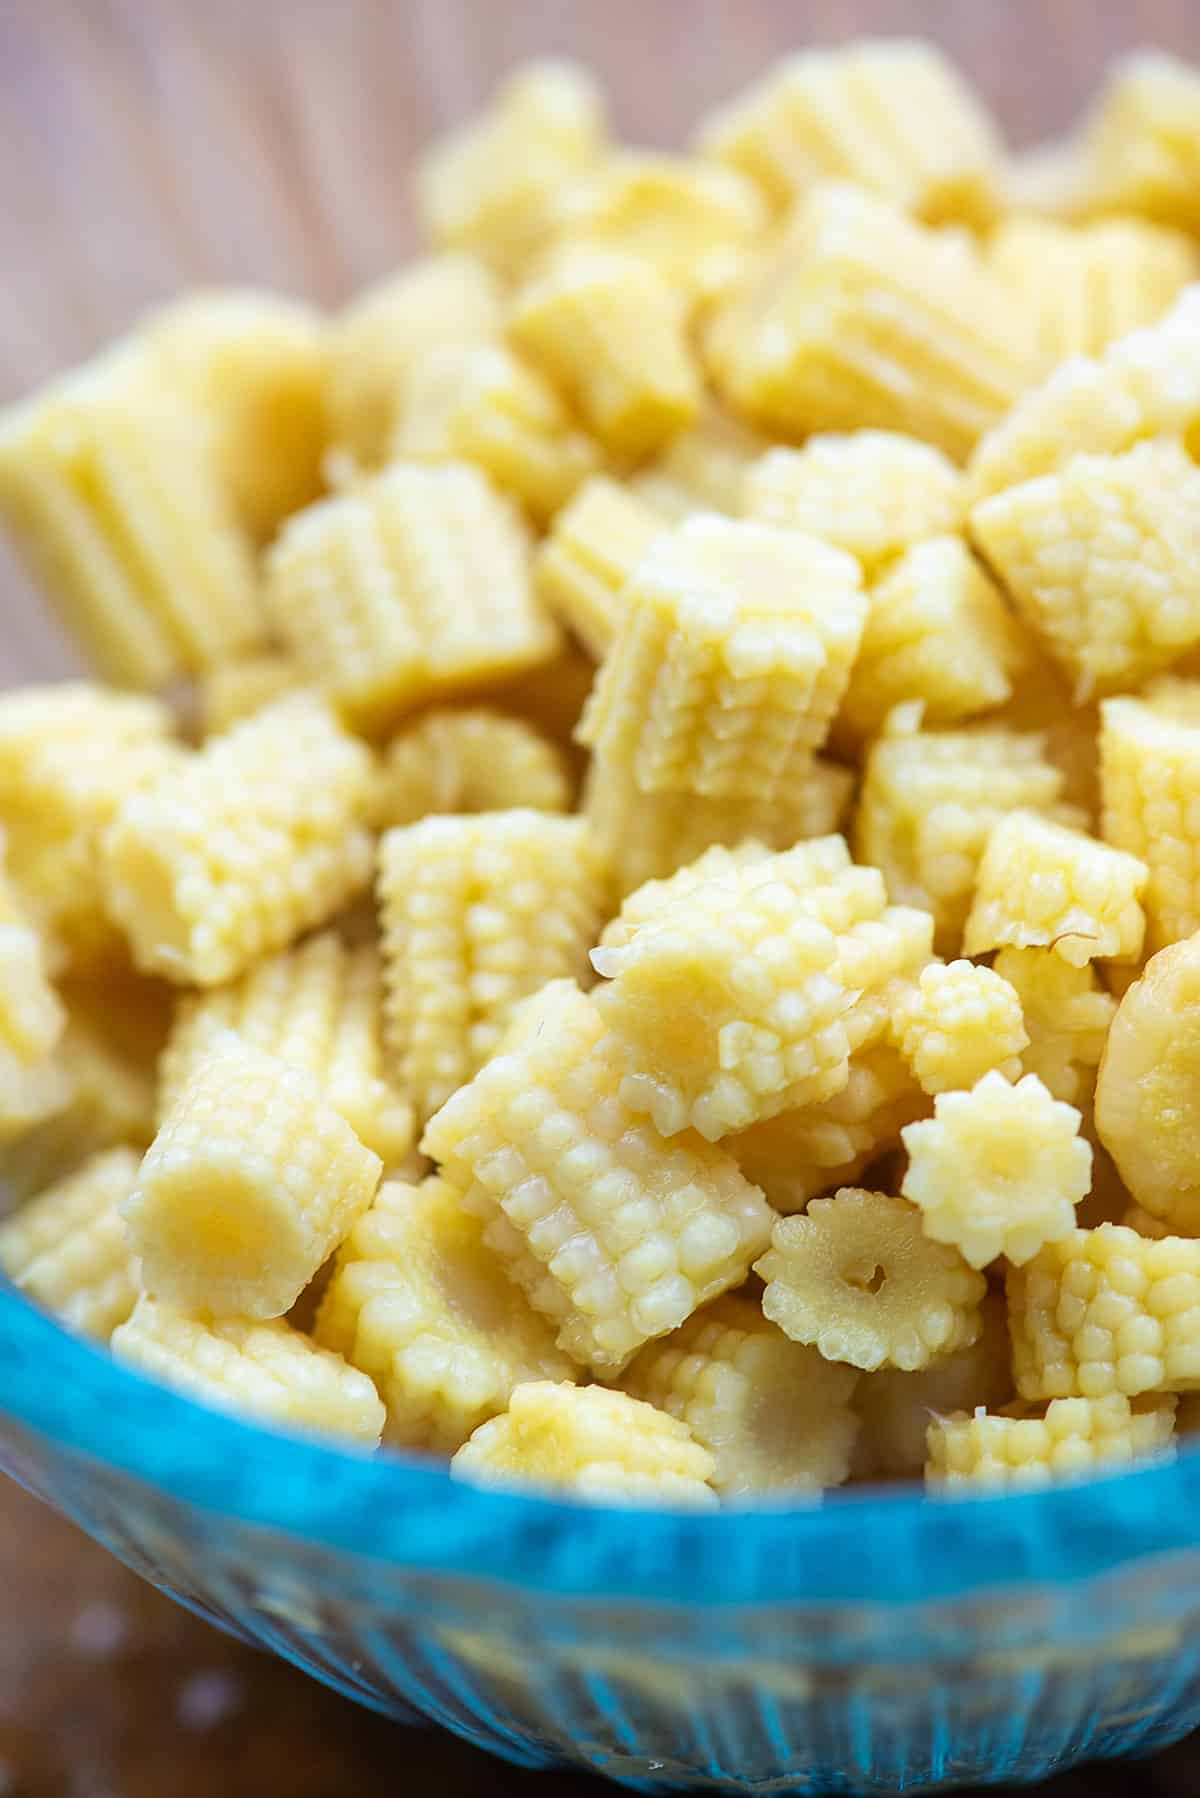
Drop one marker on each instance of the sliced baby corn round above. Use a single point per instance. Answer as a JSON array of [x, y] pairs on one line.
[[1149, 788], [1075, 1438], [955, 1024], [1041, 886], [472, 760], [67, 1247]]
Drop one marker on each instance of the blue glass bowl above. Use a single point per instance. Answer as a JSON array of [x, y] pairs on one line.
[[874, 1644]]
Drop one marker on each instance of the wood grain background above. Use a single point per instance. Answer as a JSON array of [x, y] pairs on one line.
[[146, 145]]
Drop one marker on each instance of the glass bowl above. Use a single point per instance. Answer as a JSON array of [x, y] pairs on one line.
[[871, 1644]]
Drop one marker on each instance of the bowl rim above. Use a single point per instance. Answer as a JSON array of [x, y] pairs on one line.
[[893, 1547]]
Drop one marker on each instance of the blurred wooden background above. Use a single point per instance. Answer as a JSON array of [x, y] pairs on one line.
[[146, 145]]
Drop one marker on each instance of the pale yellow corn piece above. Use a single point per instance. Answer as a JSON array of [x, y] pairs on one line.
[[615, 1235], [420, 1304], [479, 403], [67, 1247], [929, 801], [862, 317], [256, 365], [893, 115], [998, 1170], [256, 839], [1146, 1112], [647, 836], [264, 1368], [112, 488], [896, 1409], [819, 862], [497, 185], [31, 1017], [236, 689], [478, 913], [773, 1413], [582, 566], [689, 218], [872, 493], [1150, 788], [937, 630], [1144, 385], [469, 761], [731, 657], [1101, 559], [1041, 886], [598, 1444], [1067, 1016], [609, 331], [797, 1155], [317, 1007], [1087, 285], [1077, 1437], [251, 1183], [378, 342], [1107, 1310], [856, 1278], [955, 1024], [1145, 1224], [411, 586], [703, 469], [1142, 143]]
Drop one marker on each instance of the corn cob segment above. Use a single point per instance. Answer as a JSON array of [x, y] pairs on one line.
[[1075, 1438], [1067, 1015], [265, 1369], [67, 1247], [956, 1023], [419, 1304], [600, 1445], [469, 761], [1150, 784], [615, 1235], [1041, 886], [236, 689], [583, 565], [1141, 148]]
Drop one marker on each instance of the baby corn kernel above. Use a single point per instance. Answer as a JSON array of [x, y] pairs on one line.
[[1076, 1436], [956, 1023], [264, 1369], [474, 760], [582, 566], [1149, 787], [251, 1182], [614, 1234], [253, 840], [1041, 886], [597, 1444], [418, 1302], [236, 689], [872, 493], [856, 1278], [67, 1247]]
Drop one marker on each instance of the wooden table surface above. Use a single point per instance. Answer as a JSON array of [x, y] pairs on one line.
[[146, 145]]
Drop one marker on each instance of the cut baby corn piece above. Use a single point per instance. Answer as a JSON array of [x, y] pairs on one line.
[[1076, 1437], [997, 1170], [67, 1247], [1042, 886], [929, 801], [609, 331], [251, 1183], [317, 1007], [956, 1023], [469, 761], [863, 318], [598, 1444], [266, 1369], [236, 689], [496, 186], [872, 493], [593, 547], [113, 490], [730, 659], [797, 1155], [1141, 147], [1149, 786], [1146, 1113], [703, 469], [258, 837], [418, 1302], [1087, 285], [479, 403], [818, 863], [937, 630], [1106, 1311], [615, 1235], [858, 1280], [476, 914], [411, 586], [377, 343], [1100, 558], [1067, 1015], [774, 1414], [255, 364], [31, 1020], [893, 115]]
